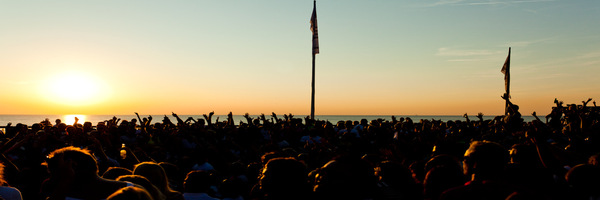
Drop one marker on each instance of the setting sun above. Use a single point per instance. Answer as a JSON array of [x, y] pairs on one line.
[[74, 88]]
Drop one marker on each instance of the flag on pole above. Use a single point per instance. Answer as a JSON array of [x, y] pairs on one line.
[[506, 71], [313, 28]]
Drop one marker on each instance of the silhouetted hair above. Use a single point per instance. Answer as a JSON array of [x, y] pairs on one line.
[[114, 172], [86, 163], [486, 158], [197, 181], [154, 173], [144, 182], [346, 178], [130, 193], [284, 178]]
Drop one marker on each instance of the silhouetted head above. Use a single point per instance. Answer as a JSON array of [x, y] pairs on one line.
[[441, 178], [394, 174], [584, 179], [346, 178], [154, 173], [197, 181], [114, 172], [485, 160], [80, 160], [525, 156], [144, 182], [130, 193], [284, 178]]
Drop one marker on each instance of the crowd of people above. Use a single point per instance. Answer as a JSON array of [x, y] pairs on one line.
[[300, 158]]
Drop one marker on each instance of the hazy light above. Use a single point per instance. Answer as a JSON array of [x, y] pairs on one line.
[[74, 88], [70, 119]]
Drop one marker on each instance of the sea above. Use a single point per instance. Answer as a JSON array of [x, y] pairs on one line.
[[70, 119]]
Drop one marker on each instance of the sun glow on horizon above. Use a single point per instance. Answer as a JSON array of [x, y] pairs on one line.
[[74, 88], [70, 119]]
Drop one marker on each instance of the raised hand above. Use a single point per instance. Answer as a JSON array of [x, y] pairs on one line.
[[262, 117]]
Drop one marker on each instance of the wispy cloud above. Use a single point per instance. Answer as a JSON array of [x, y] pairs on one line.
[[445, 51], [446, 2], [482, 2], [529, 42], [590, 55], [466, 60]]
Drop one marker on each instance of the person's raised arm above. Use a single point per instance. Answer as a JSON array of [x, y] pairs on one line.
[[208, 118], [140, 119], [467, 119], [248, 118], [263, 118], [149, 120], [586, 102], [480, 116], [179, 121], [545, 155], [275, 117], [230, 119], [535, 115], [116, 120]]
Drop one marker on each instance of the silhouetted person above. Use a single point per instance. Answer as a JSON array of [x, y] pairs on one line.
[[145, 183], [584, 180], [443, 173], [130, 193], [284, 178], [6, 191], [396, 182], [197, 186], [74, 175], [484, 163], [346, 178], [157, 176], [114, 172]]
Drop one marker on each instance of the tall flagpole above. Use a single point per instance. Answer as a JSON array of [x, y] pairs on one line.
[[312, 99], [315, 51]]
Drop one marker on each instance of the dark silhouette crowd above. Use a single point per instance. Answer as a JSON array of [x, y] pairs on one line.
[[270, 158]]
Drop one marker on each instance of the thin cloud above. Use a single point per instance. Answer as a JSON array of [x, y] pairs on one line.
[[446, 2], [444, 51], [529, 43], [590, 55], [466, 60], [482, 2]]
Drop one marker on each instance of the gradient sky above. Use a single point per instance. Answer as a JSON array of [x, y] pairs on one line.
[[400, 57]]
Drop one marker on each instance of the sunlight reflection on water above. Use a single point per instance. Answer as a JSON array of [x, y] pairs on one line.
[[70, 119]]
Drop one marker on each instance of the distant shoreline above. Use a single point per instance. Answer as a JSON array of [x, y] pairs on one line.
[[31, 119]]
